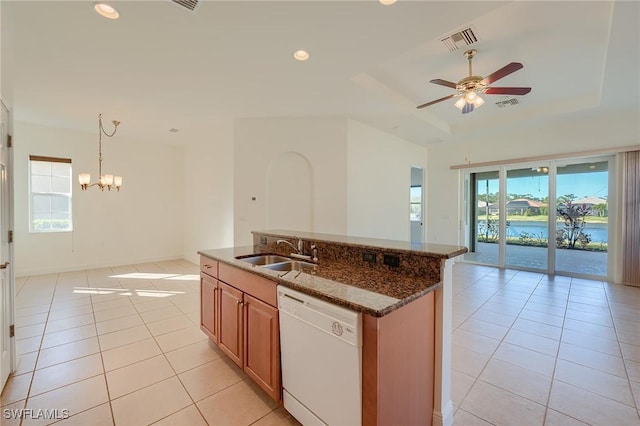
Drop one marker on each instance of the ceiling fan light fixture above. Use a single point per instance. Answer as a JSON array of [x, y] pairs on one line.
[[106, 10], [478, 101], [471, 87]]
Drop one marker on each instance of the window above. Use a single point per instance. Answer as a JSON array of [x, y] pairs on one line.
[[50, 194]]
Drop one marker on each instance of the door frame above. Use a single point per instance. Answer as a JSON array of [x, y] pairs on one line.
[[7, 152]]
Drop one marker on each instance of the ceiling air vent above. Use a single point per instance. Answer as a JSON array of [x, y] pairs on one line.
[[508, 102], [189, 4], [462, 38]]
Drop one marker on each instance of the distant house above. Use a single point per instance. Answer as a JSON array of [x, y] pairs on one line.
[[523, 206], [493, 208], [592, 202]]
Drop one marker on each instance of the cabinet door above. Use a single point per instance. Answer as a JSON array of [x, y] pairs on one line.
[[208, 306], [230, 325], [262, 345]]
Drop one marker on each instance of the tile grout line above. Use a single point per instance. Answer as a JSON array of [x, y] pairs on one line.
[[500, 343], [581, 388], [555, 361], [104, 371], [175, 374], [476, 379], [33, 373], [624, 364]]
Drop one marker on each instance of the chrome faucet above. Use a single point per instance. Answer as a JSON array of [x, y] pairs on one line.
[[297, 249], [299, 254]]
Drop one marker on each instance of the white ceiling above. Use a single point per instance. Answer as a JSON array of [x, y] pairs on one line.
[[161, 66]]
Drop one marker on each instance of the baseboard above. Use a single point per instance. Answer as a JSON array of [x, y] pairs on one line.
[[444, 418], [95, 265]]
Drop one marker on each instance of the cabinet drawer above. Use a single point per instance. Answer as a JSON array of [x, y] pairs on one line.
[[258, 287], [209, 266]]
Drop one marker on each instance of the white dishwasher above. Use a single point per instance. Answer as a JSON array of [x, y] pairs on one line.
[[321, 353]]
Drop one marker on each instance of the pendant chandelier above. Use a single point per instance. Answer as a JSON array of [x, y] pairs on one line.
[[104, 181]]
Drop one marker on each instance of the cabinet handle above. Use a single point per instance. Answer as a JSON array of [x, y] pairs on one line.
[[4, 265], [239, 302]]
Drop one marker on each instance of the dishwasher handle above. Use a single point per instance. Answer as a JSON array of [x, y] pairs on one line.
[[288, 296]]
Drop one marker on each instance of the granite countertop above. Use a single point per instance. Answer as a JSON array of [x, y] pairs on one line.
[[374, 293], [434, 250]]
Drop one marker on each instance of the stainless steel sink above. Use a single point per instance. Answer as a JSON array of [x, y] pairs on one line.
[[263, 259], [292, 265]]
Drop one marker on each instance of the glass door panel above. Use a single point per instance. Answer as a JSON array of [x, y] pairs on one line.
[[484, 230], [582, 215], [527, 217]]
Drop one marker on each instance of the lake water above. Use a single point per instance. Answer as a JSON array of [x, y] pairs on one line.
[[598, 231]]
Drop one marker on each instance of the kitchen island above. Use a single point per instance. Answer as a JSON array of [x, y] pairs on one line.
[[403, 291]]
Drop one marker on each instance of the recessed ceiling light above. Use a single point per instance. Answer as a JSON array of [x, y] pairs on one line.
[[301, 55], [387, 2], [106, 10]]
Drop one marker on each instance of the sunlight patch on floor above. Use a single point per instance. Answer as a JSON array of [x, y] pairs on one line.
[[126, 291]]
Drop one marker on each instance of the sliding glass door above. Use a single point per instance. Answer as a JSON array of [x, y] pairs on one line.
[[527, 217], [582, 218], [484, 219], [550, 216]]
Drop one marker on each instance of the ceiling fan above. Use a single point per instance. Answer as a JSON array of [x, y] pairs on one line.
[[470, 88]]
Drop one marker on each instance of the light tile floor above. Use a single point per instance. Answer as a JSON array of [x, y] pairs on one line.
[[122, 346], [534, 349]]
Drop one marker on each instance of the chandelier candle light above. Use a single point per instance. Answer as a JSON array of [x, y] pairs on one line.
[[104, 181]]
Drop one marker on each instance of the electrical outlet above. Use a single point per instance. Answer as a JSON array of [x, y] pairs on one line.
[[263, 240], [369, 257], [391, 260]]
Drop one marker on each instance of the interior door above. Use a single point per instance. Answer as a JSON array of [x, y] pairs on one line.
[[6, 292]]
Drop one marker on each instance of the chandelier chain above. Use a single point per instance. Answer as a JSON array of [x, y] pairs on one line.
[[104, 181]]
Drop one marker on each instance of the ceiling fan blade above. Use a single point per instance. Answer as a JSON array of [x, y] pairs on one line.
[[507, 90], [436, 101], [444, 83], [502, 72]]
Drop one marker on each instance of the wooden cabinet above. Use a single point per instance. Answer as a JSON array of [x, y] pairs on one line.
[[209, 306], [209, 297], [262, 345], [398, 365], [231, 331], [239, 314]]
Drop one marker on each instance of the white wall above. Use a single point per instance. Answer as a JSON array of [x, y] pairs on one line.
[[142, 222], [6, 58], [378, 182], [208, 191], [260, 142], [290, 183], [561, 135]]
